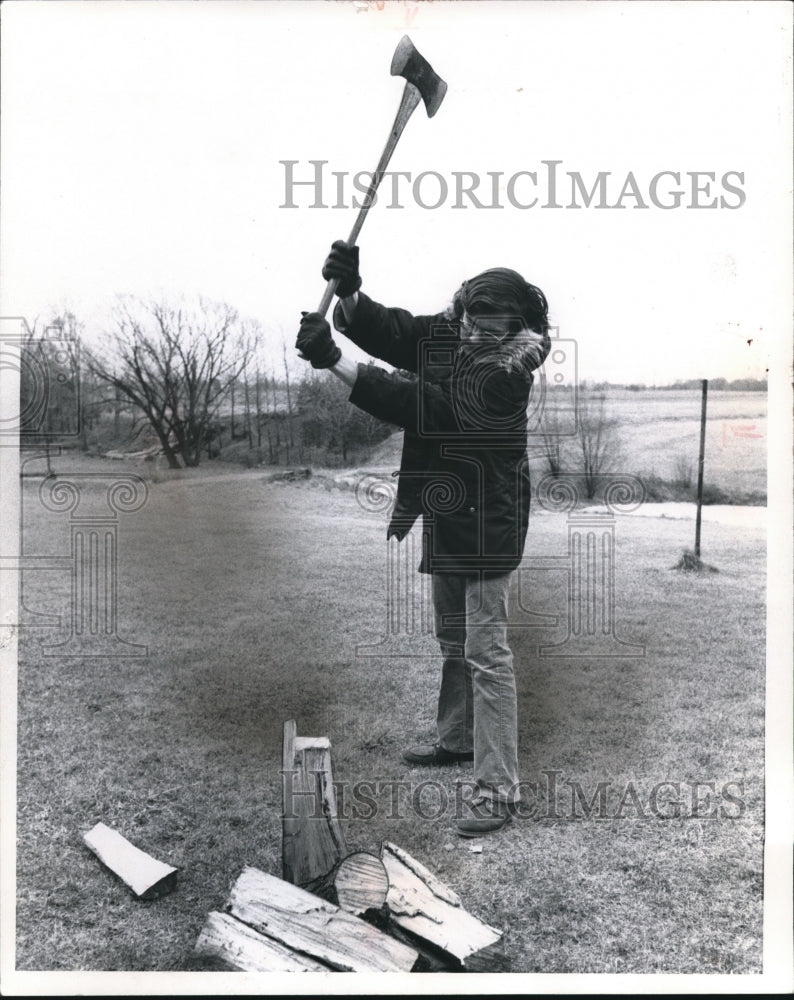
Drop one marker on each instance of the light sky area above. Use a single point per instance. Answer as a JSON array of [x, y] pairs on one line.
[[141, 149]]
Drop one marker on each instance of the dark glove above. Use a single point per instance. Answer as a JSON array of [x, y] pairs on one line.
[[342, 263], [315, 342]]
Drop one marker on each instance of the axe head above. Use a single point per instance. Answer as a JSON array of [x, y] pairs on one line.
[[409, 63]]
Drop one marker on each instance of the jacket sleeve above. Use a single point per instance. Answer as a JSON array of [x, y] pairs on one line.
[[493, 405], [390, 334]]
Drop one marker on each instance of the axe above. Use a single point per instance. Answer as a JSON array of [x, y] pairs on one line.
[[422, 84]]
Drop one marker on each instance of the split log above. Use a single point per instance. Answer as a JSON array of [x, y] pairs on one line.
[[358, 884], [431, 959], [146, 876], [242, 949], [313, 926], [424, 906], [312, 838]]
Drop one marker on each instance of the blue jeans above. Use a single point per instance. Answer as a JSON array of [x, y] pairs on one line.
[[477, 707]]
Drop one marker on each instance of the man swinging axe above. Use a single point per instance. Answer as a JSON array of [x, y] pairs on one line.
[[464, 471]]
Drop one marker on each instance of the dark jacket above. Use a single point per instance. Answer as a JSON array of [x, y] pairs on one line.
[[463, 408]]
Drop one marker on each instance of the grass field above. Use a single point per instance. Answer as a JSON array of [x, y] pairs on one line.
[[251, 597]]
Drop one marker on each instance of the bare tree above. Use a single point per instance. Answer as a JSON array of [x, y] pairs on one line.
[[252, 334], [290, 429], [249, 430], [551, 439], [50, 383], [597, 439], [231, 391], [274, 448], [258, 400], [330, 423], [684, 471], [175, 365]]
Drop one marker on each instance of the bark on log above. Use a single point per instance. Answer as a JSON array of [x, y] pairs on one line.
[[312, 839], [424, 906], [431, 959], [315, 927], [242, 949], [146, 876], [358, 884]]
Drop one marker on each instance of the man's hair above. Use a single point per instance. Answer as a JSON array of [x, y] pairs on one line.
[[501, 291]]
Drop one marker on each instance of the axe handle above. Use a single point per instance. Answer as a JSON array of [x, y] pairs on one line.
[[410, 99]]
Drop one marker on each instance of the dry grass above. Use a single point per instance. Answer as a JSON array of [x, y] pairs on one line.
[[659, 430], [251, 598]]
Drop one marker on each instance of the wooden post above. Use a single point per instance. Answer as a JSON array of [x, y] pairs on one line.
[[701, 458], [312, 839]]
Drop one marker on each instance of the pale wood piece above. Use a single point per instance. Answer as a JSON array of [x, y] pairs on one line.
[[312, 838], [358, 884], [423, 905], [243, 949], [315, 927], [361, 883], [146, 876]]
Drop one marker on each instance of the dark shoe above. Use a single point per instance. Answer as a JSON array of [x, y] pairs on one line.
[[425, 754], [482, 815]]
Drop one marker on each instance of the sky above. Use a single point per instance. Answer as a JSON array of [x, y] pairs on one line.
[[143, 150]]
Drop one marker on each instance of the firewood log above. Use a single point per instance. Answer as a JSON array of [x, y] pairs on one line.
[[358, 884], [424, 906], [314, 927], [240, 948]]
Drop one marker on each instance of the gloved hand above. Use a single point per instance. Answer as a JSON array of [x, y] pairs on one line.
[[315, 342], [342, 263]]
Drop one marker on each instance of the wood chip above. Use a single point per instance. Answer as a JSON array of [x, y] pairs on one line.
[[146, 876]]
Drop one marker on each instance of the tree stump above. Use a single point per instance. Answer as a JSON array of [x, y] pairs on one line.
[[690, 563]]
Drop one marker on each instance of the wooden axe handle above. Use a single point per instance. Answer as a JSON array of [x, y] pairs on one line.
[[410, 99]]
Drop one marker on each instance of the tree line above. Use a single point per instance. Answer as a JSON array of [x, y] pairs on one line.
[[717, 384], [187, 382], [190, 382]]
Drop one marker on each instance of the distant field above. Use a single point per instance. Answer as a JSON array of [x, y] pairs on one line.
[[659, 427], [659, 430]]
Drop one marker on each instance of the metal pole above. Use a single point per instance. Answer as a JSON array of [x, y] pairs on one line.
[[705, 385]]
